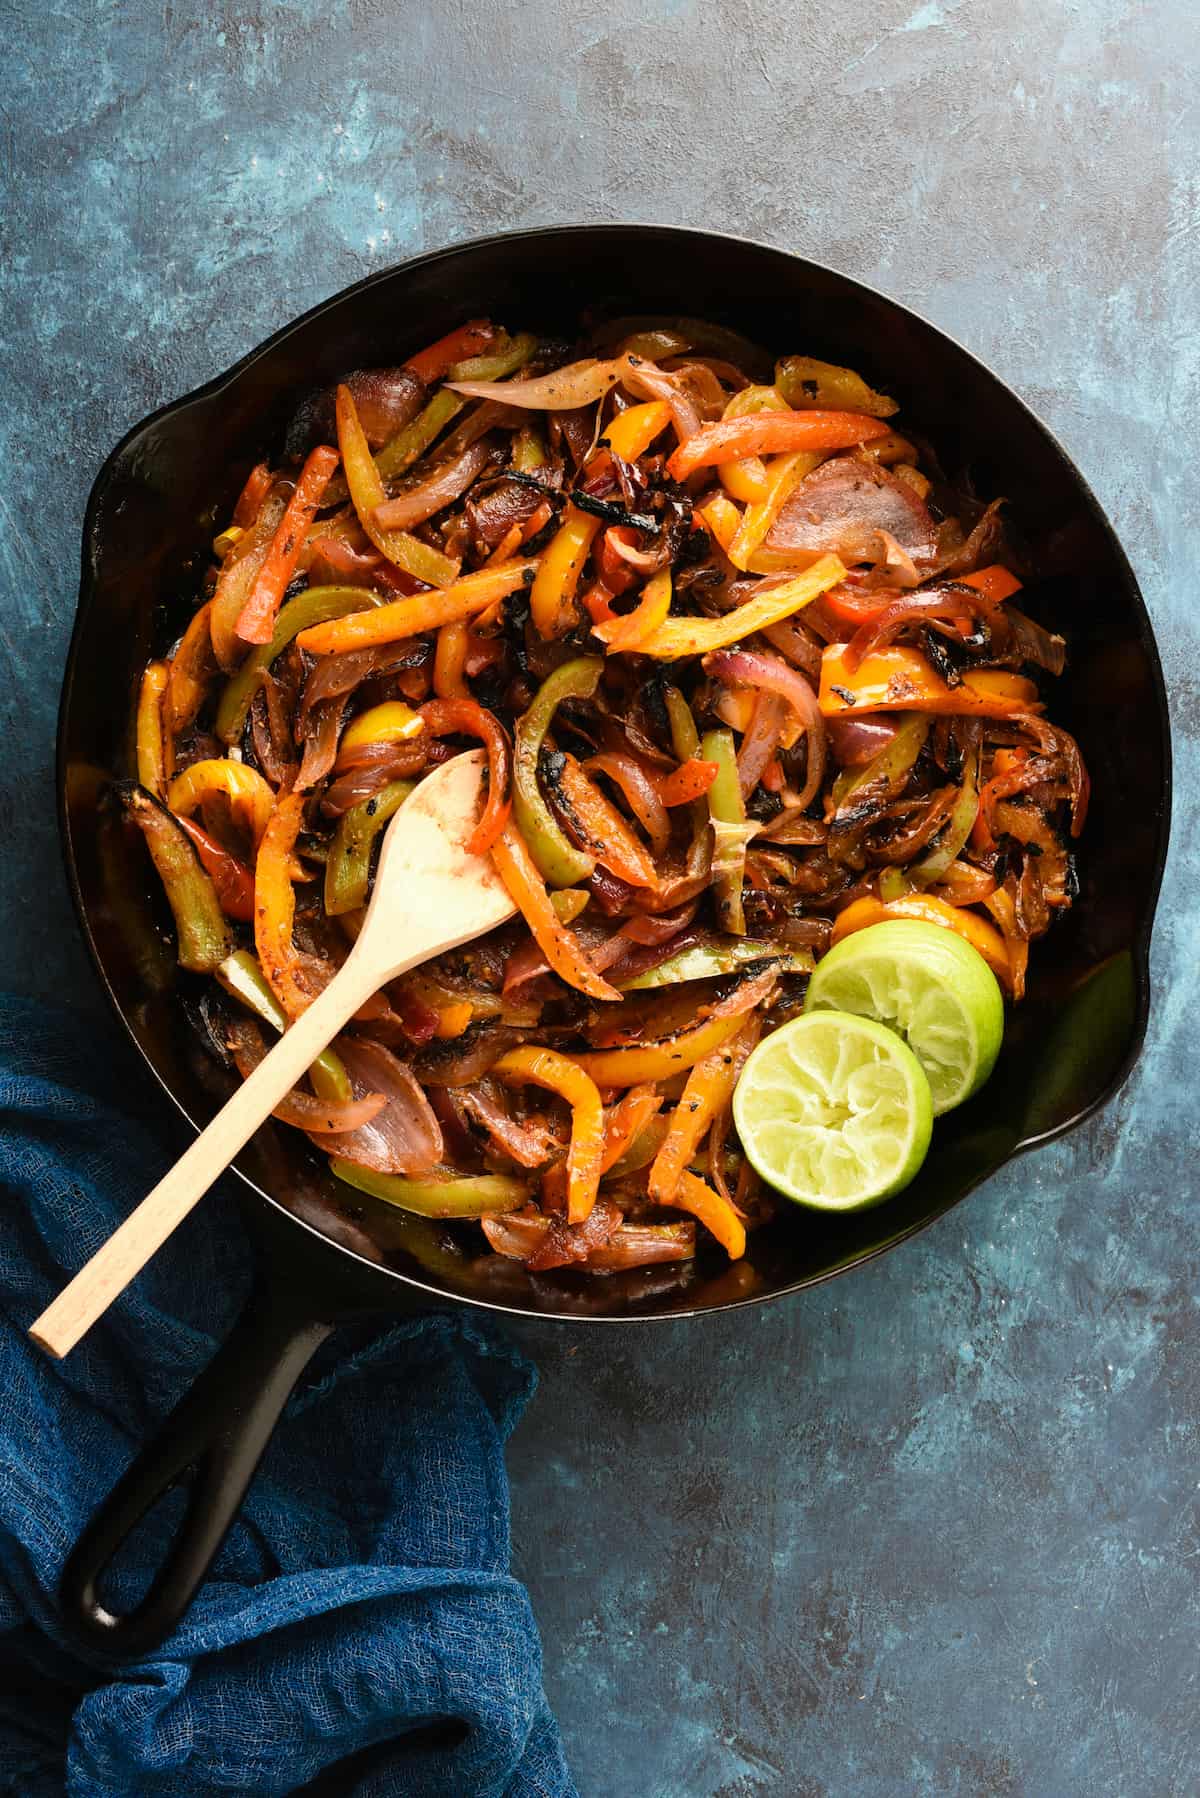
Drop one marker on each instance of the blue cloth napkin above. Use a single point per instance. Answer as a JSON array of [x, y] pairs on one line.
[[361, 1633]]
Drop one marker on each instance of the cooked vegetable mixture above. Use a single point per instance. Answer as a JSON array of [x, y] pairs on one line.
[[749, 674]]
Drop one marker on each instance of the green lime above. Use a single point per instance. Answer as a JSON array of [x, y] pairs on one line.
[[929, 985], [834, 1111]]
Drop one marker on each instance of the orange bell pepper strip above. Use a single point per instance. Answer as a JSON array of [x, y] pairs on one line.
[[449, 661], [630, 434], [417, 612], [365, 482], [597, 826], [899, 680], [151, 751], [626, 633], [190, 670], [615, 572], [557, 943], [256, 621], [559, 1074], [635, 1064], [248, 793], [772, 433], [691, 780], [232, 879], [783, 475], [552, 596], [698, 636], [626, 1120], [723, 521], [471, 339], [708, 1090], [597, 603], [995, 583], [715, 1213], [976, 930], [454, 1018], [275, 906], [444, 717], [250, 499]]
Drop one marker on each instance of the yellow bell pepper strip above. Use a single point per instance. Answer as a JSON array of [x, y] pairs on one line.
[[275, 906], [391, 722], [256, 621], [722, 519], [625, 1121], [805, 382], [552, 596], [248, 793], [232, 879], [476, 1195], [554, 855], [466, 717], [730, 831], [625, 634], [188, 675], [559, 1074], [768, 433], [783, 475], [239, 570], [596, 823], [569, 902], [900, 679], [561, 949], [418, 612], [204, 938], [708, 1090], [151, 753], [348, 864], [704, 961], [638, 1063], [367, 492], [745, 478], [714, 1212], [316, 606], [630, 434], [454, 1018], [436, 359], [242, 978], [976, 930], [449, 661], [413, 439], [691, 780], [698, 636]]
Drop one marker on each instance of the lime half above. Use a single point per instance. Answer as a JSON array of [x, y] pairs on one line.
[[929, 985], [834, 1110]]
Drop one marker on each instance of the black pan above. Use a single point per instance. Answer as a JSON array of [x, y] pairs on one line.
[[327, 1253]]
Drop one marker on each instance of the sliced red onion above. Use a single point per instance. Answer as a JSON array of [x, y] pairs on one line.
[[405, 1138], [745, 668], [448, 482], [304, 1110]]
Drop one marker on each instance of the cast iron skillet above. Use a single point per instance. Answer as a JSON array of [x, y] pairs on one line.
[[327, 1252]]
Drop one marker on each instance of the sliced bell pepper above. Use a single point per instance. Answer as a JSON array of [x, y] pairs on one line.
[[552, 596], [413, 439], [436, 359], [250, 499], [248, 793], [722, 519], [418, 612], [638, 1063], [453, 1019], [569, 903], [256, 620], [242, 978], [348, 864], [899, 679], [995, 582], [561, 949], [391, 722], [691, 780], [708, 1090], [555, 856], [151, 753], [445, 717], [204, 938], [685, 738], [476, 1195], [559, 1074], [625, 634], [783, 475], [715, 1213], [189, 673], [976, 930], [730, 830], [367, 492], [704, 961], [698, 636], [745, 478], [232, 879], [630, 434], [885, 773], [503, 358], [625, 1121], [616, 574], [449, 661], [805, 382], [239, 570], [767, 433], [316, 606], [275, 906], [599, 826]]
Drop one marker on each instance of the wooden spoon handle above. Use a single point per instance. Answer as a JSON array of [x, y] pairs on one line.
[[144, 1231]]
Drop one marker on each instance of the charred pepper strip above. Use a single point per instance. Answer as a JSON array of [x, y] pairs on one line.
[[248, 793], [600, 828], [242, 978], [444, 717], [553, 854], [715, 1213], [637, 1063], [348, 865], [257, 617], [367, 492], [559, 1074], [480, 1195], [275, 906], [560, 947], [204, 937], [708, 1090], [764, 433]]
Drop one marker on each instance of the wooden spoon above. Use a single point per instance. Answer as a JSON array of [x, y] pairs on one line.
[[430, 895]]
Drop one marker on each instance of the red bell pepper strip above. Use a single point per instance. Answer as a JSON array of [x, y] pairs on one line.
[[250, 499], [233, 881], [691, 780], [444, 716], [431, 363], [559, 945], [256, 620], [995, 583], [771, 433]]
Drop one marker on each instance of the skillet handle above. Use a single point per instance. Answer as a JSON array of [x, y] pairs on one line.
[[219, 1428]]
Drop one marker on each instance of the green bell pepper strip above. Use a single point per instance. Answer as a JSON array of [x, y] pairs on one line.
[[244, 980], [890, 768], [529, 452], [481, 1195], [730, 830], [204, 936], [703, 961], [316, 606], [348, 865], [685, 738], [956, 829], [409, 444], [557, 859], [501, 362]]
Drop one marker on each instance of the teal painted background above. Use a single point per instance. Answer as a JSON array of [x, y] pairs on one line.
[[933, 1530]]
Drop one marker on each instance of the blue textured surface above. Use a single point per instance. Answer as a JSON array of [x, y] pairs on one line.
[[934, 1529]]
